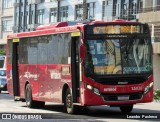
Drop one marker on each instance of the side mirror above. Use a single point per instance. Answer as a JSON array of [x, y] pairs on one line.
[[82, 51]]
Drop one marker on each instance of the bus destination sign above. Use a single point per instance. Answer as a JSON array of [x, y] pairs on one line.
[[115, 29]]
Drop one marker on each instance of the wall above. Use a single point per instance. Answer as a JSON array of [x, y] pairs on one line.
[[156, 71], [149, 17], [153, 17], [5, 14]]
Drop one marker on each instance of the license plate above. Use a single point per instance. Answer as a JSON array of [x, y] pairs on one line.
[[126, 97]]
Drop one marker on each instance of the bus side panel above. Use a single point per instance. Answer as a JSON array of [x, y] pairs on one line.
[[46, 81], [22, 79], [28, 73], [44, 88], [9, 79], [66, 77], [57, 79]]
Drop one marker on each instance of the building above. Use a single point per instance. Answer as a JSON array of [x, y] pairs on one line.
[[29, 14], [123, 9], [6, 20], [150, 14]]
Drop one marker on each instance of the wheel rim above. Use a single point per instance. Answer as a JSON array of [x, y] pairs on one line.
[[69, 101], [28, 96]]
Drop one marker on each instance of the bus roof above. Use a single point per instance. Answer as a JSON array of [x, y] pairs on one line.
[[63, 27]]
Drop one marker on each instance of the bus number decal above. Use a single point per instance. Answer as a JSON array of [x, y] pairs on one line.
[[136, 88], [55, 74]]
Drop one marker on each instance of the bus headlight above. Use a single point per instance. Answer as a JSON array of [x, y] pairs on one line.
[[89, 87], [148, 87], [94, 90]]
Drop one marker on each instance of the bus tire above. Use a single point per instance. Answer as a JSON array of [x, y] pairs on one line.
[[126, 109], [69, 107], [28, 97], [39, 104]]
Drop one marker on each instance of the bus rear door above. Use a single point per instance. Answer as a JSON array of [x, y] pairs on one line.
[[15, 74]]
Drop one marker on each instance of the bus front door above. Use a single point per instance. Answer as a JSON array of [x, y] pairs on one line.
[[75, 68]]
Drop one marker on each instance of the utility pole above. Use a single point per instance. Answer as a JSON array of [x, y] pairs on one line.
[[58, 10], [84, 9]]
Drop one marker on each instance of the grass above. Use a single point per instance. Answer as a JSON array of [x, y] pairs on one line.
[[157, 95]]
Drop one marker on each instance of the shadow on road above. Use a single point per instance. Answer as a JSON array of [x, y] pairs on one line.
[[101, 112]]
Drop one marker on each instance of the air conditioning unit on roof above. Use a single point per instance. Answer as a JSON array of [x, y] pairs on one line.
[[33, 26]]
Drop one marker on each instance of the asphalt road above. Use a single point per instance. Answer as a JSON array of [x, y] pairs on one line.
[[18, 111]]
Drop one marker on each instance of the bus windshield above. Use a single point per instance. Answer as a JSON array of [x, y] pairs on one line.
[[118, 56]]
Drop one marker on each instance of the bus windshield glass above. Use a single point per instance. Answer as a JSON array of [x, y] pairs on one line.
[[118, 56]]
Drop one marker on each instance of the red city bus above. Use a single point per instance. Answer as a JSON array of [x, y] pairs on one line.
[[82, 64]]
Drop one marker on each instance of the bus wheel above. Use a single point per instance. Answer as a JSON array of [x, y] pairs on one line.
[[70, 108], [126, 109], [39, 104], [28, 97]]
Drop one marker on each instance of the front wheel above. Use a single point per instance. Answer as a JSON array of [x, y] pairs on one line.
[[70, 108], [126, 109]]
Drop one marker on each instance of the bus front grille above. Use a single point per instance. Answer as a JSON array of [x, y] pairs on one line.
[[115, 97], [121, 80]]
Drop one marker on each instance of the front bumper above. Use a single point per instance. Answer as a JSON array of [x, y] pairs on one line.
[[117, 94], [94, 99]]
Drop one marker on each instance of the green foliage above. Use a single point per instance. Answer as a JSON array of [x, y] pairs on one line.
[[157, 95], [2, 52]]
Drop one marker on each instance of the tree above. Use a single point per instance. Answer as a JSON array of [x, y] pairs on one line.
[[2, 52]]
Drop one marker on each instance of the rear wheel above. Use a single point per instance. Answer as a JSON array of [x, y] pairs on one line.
[[126, 109], [28, 98], [70, 108]]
